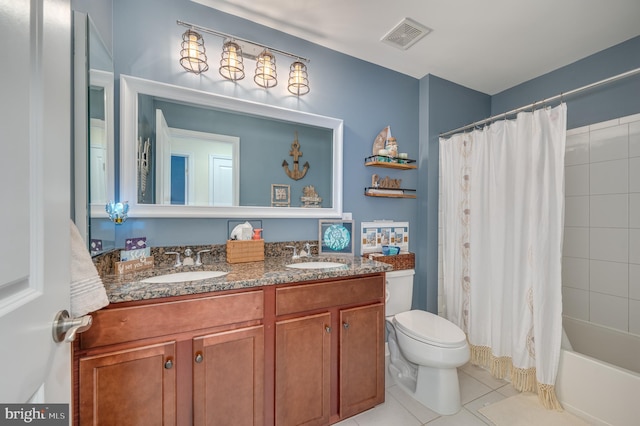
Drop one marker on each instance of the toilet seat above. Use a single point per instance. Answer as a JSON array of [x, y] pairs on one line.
[[429, 328]]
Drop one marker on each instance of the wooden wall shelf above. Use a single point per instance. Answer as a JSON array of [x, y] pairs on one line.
[[390, 193], [390, 162]]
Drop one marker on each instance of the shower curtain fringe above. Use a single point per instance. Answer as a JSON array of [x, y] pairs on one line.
[[522, 379], [480, 355], [547, 395]]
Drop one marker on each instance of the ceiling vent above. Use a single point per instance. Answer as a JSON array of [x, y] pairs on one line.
[[407, 33]]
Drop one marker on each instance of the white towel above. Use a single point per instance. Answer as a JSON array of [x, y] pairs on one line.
[[87, 291]]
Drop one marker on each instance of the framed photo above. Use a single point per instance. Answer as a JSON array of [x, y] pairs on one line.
[[335, 237], [378, 233], [280, 195]]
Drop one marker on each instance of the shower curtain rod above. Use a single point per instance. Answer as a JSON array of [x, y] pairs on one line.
[[542, 102]]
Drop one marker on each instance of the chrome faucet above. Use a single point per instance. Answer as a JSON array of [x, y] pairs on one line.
[[178, 262], [307, 249], [198, 259], [295, 252], [188, 260]]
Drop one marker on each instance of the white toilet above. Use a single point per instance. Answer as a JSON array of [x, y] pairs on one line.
[[425, 349]]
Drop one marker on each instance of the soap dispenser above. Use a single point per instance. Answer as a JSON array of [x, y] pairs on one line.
[[257, 234]]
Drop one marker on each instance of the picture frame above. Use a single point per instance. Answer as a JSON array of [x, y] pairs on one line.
[[335, 237], [383, 232], [280, 195]]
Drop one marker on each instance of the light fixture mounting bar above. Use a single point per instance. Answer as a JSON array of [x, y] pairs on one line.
[[232, 37]]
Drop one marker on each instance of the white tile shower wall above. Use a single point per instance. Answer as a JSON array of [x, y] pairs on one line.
[[601, 263], [610, 278], [634, 210], [609, 177], [634, 282], [575, 273], [608, 211], [634, 139], [634, 316], [575, 303]]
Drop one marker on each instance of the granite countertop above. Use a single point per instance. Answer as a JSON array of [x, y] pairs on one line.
[[272, 271]]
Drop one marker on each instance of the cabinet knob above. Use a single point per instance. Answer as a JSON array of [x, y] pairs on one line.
[[327, 329], [199, 358], [345, 325], [168, 364]]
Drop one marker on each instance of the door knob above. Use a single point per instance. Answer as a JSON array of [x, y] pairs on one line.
[[65, 328]]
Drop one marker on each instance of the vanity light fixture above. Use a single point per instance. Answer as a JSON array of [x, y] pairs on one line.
[[231, 65], [234, 49], [192, 56], [298, 79], [266, 75]]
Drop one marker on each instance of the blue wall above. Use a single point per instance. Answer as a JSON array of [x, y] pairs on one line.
[[599, 104], [367, 97], [443, 106]]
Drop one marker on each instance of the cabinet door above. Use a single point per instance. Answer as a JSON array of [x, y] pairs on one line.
[[228, 378], [361, 359], [303, 367], [129, 387]]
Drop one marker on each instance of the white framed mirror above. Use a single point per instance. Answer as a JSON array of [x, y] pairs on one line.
[[260, 142]]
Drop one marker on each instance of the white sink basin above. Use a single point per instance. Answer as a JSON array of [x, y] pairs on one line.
[[184, 276], [316, 265]]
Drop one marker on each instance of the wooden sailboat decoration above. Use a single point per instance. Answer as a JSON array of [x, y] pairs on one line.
[[296, 173], [381, 140]]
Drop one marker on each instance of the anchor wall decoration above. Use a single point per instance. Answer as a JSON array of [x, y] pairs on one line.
[[296, 173]]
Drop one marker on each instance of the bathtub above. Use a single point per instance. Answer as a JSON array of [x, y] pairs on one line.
[[597, 390]]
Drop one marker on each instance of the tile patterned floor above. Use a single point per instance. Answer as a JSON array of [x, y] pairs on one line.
[[477, 389]]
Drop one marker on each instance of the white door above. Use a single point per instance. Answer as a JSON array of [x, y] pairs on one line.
[[98, 154], [221, 181], [35, 197], [98, 167]]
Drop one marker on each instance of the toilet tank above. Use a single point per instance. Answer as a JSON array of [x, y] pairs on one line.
[[399, 291]]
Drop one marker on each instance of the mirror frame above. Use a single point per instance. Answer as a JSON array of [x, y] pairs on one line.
[[104, 79], [131, 87]]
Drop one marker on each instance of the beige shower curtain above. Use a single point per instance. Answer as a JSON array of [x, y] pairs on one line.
[[502, 202]]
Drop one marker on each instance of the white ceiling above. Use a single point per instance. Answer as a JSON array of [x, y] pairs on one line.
[[486, 45]]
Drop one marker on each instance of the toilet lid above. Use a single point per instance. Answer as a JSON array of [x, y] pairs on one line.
[[430, 328]]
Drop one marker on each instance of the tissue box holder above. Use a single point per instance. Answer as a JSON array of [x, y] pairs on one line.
[[241, 251]]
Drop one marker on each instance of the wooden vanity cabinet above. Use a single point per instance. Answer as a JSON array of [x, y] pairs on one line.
[[303, 370], [301, 354], [228, 378], [135, 386], [361, 357], [329, 350], [192, 361]]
